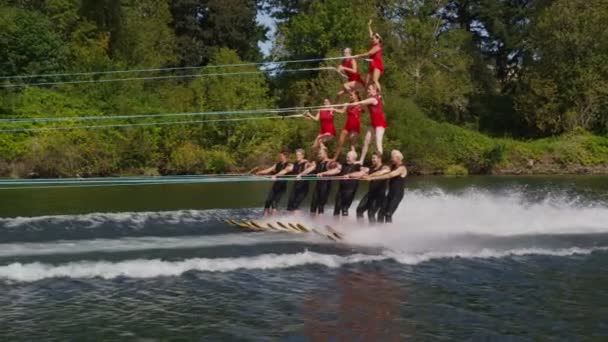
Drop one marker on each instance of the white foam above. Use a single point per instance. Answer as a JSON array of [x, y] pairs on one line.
[[141, 268], [141, 243], [132, 219]]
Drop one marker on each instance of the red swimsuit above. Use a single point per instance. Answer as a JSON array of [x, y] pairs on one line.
[[376, 62], [326, 118], [352, 76], [353, 119], [376, 114]]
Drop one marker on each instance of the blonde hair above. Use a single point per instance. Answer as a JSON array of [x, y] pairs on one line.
[[353, 154], [397, 154]]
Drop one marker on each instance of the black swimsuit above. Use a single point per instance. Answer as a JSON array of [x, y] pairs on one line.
[[278, 189], [373, 201], [321, 192], [396, 190], [299, 190], [347, 190]]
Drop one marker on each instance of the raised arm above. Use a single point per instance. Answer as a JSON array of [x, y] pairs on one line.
[[369, 28]]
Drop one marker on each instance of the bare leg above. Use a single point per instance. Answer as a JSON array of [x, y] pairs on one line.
[[353, 141], [368, 80], [377, 80], [379, 136], [366, 142], [340, 144]]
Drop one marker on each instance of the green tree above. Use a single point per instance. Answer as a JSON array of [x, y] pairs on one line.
[[204, 25], [566, 84], [28, 44]]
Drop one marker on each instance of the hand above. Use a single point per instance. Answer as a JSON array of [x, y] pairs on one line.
[[366, 178], [369, 23], [299, 177], [320, 174], [274, 177], [340, 68]]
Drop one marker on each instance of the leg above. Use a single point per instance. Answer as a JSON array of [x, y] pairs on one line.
[[347, 200], [376, 78], [368, 80], [379, 133], [363, 206], [366, 142], [338, 203], [315, 144], [340, 144], [374, 207], [325, 138], [314, 203], [277, 200], [299, 198], [353, 141], [323, 197], [392, 203]]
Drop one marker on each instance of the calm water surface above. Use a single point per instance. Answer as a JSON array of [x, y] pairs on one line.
[[479, 258]]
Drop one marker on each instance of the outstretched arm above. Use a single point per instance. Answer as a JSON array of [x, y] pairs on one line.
[[340, 110], [352, 70], [311, 167], [368, 101], [401, 171], [333, 172], [369, 28], [266, 171], [285, 171], [371, 51], [312, 117]]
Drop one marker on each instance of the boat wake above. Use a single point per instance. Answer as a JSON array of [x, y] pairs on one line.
[[428, 226], [18, 272]]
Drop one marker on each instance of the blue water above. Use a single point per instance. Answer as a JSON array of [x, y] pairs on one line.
[[482, 258]]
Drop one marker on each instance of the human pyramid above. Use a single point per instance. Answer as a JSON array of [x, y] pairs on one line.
[[387, 183]]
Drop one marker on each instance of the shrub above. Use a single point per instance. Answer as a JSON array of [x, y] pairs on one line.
[[456, 170], [186, 159]]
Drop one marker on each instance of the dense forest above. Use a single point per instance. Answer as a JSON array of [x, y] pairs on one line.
[[477, 86]]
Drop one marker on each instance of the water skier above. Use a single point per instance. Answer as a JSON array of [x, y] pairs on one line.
[[373, 201], [279, 187], [396, 186]]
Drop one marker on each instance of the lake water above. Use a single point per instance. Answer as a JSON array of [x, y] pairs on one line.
[[478, 258]]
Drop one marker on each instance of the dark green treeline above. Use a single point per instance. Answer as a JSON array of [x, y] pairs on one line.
[[476, 86]]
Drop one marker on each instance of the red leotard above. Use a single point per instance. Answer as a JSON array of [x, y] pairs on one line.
[[376, 58], [376, 114], [326, 118], [352, 76], [353, 119]]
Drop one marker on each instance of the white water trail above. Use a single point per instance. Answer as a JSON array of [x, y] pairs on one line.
[[131, 219], [31, 272], [140, 244]]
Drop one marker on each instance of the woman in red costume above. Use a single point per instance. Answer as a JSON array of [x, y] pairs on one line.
[[376, 65], [377, 118], [352, 128], [349, 68], [325, 117]]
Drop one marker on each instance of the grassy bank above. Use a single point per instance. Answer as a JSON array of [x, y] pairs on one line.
[[440, 148]]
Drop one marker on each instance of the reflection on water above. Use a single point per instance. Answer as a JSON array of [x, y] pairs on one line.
[[359, 306]]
